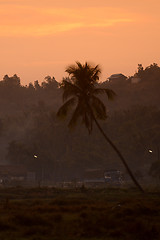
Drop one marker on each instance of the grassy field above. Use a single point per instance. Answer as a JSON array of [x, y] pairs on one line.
[[79, 214]]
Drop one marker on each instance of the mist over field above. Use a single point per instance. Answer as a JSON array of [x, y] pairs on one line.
[[29, 128]]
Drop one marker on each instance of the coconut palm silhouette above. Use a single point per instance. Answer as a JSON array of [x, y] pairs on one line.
[[80, 92]]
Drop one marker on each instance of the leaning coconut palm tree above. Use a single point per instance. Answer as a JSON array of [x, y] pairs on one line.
[[80, 95]]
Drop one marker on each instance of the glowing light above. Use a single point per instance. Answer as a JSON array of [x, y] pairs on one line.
[[150, 151], [35, 156]]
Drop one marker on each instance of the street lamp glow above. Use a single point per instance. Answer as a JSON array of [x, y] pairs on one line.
[[35, 156], [150, 151]]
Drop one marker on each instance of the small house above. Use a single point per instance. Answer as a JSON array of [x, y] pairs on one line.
[[117, 77]]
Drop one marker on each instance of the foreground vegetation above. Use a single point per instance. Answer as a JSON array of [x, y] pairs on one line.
[[49, 213]]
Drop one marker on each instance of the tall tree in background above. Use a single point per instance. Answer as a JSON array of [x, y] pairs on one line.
[[80, 95]]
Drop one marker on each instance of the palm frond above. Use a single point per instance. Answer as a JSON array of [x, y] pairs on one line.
[[74, 69], [80, 66], [82, 112], [75, 116], [71, 69], [110, 93], [98, 107], [65, 108], [95, 76], [69, 89]]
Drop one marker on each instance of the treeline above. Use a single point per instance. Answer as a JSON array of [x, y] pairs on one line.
[[16, 97], [29, 128], [144, 92]]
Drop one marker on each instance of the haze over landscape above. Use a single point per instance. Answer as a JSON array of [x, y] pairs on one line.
[[40, 38], [80, 119]]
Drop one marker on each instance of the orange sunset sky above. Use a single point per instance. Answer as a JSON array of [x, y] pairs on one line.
[[42, 37]]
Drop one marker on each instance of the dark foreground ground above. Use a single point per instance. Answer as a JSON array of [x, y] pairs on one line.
[[80, 214]]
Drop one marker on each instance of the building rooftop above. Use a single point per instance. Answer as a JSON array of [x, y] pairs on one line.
[[117, 76]]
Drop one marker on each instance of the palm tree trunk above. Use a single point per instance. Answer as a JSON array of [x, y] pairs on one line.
[[118, 153]]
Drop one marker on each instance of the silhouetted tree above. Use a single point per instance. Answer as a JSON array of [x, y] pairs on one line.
[[31, 87], [151, 72], [11, 81], [49, 83], [36, 85], [80, 91]]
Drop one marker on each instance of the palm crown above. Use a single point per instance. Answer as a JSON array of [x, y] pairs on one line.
[[80, 93]]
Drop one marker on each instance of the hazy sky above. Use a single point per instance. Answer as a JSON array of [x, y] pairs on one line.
[[42, 37]]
